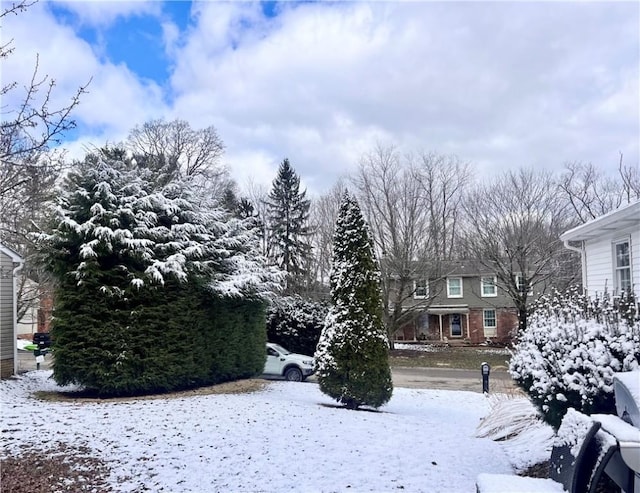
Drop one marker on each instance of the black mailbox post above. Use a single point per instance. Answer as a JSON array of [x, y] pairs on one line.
[[485, 369]]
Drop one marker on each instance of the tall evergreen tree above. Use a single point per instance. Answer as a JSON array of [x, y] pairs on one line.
[[155, 291], [288, 215], [352, 356]]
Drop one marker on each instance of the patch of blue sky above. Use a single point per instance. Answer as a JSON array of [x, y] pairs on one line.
[[270, 9], [66, 17], [179, 11], [83, 129], [135, 41], [138, 43]]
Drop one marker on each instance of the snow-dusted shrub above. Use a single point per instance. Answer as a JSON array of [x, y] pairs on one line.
[[296, 323], [156, 289], [570, 350], [352, 357]]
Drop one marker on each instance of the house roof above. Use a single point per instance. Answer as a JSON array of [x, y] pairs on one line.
[[11, 254], [624, 217], [447, 309], [464, 268]]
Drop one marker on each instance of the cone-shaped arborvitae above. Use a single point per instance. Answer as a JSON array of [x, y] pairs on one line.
[[352, 356]]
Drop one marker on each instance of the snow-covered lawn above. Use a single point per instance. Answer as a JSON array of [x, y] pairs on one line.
[[430, 348], [288, 437]]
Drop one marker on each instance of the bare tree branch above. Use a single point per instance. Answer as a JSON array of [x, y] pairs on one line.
[[591, 193], [177, 149], [33, 127], [412, 206], [28, 167], [514, 230]]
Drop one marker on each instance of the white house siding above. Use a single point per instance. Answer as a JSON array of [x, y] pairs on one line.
[[7, 341], [599, 261]]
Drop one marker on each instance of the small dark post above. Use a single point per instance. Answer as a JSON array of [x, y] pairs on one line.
[[486, 369], [38, 355]]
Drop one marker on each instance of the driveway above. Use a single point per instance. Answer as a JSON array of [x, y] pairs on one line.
[[27, 361]]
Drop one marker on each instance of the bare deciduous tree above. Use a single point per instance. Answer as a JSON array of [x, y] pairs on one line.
[[176, 148], [391, 197], [28, 166], [32, 126], [591, 193], [514, 229], [630, 178], [413, 206], [324, 213], [444, 180]]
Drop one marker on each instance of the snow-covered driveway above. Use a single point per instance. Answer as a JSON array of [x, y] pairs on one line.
[[288, 437]]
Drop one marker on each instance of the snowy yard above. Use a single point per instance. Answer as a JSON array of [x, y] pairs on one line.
[[288, 437]]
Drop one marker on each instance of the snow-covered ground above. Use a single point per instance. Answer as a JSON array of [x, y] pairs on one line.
[[429, 348], [288, 437]]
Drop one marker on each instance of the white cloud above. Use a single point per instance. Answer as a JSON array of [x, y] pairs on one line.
[[116, 99], [501, 84], [495, 84]]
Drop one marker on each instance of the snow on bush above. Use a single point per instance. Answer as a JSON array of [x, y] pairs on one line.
[[570, 350], [112, 206], [156, 287], [296, 323]]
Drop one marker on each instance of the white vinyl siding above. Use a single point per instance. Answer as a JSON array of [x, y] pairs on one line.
[[454, 287], [600, 262]]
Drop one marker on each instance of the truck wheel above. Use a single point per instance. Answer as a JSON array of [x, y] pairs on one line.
[[293, 375]]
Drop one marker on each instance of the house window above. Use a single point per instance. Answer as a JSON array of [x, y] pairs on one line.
[[522, 286], [420, 289], [454, 287], [489, 319], [488, 286], [622, 263]]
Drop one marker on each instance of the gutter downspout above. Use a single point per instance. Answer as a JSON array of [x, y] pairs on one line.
[[583, 262], [16, 270]]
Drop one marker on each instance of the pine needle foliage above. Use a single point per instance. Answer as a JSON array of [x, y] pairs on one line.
[[288, 216], [352, 356], [154, 291]]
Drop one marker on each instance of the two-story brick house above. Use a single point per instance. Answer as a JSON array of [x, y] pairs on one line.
[[464, 303]]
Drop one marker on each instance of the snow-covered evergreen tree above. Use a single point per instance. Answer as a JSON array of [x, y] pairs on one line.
[[138, 263], [288, 215], [296, 323], [352, 357]]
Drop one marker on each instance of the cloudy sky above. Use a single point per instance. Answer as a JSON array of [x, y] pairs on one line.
[[501, 84]]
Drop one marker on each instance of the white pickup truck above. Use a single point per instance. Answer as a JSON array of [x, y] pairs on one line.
[[291, 366]]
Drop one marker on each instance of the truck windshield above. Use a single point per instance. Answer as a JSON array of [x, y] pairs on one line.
[[280, 349]]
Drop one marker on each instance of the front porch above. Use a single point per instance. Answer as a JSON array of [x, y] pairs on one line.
[[437, 323]]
